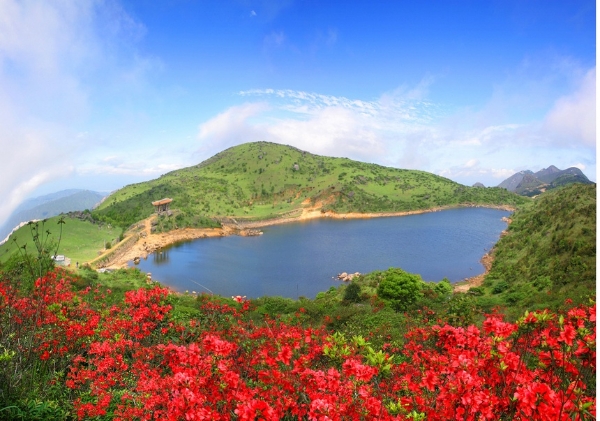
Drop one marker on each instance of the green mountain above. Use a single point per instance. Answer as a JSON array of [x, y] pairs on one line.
[[264, 180], [548, 253]]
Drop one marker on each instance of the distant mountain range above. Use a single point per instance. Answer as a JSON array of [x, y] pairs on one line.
[[50, 205], [528, 183]]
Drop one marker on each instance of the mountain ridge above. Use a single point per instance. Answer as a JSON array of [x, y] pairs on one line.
[[528, 183], [49, 205]]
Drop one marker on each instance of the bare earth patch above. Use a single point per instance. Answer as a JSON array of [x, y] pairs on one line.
[[476, 281]]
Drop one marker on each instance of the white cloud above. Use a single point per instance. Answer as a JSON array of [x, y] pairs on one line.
[[323, 124], [403, 129], [572, 119], [232, 127], [502, 173], [475, 173], [49, 52], [330, 131], [39, 51], [122, 166]]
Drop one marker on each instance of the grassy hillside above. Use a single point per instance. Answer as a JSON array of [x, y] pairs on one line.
[[549, 253], [51, 205], [264, 180], [81, 240]]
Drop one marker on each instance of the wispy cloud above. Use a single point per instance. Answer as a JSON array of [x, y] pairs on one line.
[[129, 167], [573, 116], [324, 124], [402, 128], [274, 40]]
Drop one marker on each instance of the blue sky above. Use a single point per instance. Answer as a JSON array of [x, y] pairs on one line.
[[102, 93]]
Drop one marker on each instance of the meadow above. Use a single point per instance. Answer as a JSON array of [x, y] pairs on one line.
[[81, 241]]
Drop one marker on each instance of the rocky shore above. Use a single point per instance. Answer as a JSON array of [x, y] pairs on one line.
[[347, 277]]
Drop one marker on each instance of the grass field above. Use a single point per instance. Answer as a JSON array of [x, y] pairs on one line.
[[81, 240]]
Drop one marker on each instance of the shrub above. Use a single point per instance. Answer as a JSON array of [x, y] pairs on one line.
[[443, 288], [352, 293], [500, 286], [399, 288]]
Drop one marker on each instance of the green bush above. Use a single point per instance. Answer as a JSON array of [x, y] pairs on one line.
[[400, 289], [501, 286], [352, 293], [462, 310], [443, 288]]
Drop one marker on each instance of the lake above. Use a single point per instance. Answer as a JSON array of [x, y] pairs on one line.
[[302, 258]]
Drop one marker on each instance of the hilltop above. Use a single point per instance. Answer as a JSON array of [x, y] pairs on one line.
[[528, 183], [261, 180]]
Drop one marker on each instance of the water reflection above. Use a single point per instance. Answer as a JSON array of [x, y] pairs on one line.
[[161, 257]]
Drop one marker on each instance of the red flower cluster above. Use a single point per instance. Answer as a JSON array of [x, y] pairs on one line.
[[134, 362], [539, 368]]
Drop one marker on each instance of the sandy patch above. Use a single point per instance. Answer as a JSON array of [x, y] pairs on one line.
[[476, 281]]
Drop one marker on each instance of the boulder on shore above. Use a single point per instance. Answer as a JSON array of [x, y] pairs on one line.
[[347, 277]]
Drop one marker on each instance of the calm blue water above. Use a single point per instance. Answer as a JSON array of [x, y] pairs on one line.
[[300, 259]]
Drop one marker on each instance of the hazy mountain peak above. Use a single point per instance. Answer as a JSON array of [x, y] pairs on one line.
[[528, 183], [49, 205]]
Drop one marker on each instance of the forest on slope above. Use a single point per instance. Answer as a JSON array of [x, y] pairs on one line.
[[548, 254]]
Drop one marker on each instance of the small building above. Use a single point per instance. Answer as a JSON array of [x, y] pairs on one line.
[[162, 205], [61, 260]]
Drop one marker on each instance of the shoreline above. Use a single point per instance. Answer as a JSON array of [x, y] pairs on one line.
[[312, 213], [142, 242], [477, 280]]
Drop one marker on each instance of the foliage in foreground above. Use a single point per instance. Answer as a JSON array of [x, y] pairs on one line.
[[134, 361]]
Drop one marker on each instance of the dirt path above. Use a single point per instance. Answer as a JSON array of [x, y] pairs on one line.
[[147, 242], [315, 212]]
